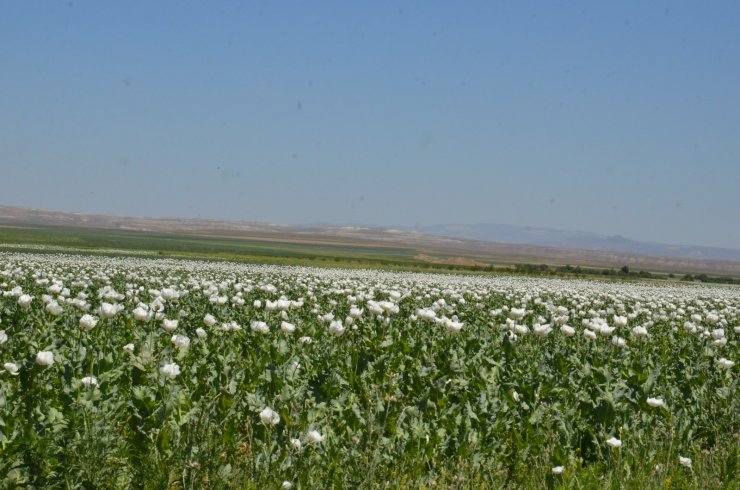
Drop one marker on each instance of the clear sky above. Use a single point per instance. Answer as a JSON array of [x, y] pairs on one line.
[[612, 117]]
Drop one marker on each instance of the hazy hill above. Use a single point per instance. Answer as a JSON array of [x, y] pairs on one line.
[[443, 243], [549, 237]]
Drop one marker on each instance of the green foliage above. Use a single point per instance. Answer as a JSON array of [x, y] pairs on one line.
[[399, 400]]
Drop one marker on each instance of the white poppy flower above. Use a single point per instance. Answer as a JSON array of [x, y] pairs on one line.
[[11, 368], [260, 327], [725, 363], [25, 301], [88, 322], [269, 417], [314, 437], [336, 328], [655, 402], [567, 330], [54, 308], [142, 315], [169, 325], [170, 370], [589, 334], [181, 341], [45, 358], [108, 310], [614, 442]]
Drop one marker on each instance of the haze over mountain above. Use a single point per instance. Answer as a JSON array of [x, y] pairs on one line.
[[526, 243], [549, 237]]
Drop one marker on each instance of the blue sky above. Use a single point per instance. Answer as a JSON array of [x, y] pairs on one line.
[[620, 118]]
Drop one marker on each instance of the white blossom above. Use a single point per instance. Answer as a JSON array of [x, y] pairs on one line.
[[88, 322], [169, 325], [336, 328], [170, 370], [11, 368], [314, 437], [655, 402], [25, 301], [108, 310], [567, 330], [181, 341], [260, 327], [725, 363], [614, 442], [269, 417], [45, 358]]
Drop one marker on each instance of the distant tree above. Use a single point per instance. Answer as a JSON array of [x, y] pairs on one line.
[[624, 270]]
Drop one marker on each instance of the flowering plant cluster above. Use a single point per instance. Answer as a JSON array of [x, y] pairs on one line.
[[122, 370]]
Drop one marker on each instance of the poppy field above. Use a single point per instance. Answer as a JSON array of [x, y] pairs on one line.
[[157, 373]]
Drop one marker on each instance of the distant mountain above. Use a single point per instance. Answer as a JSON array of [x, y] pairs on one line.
[[548, 237], [474, 244]]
